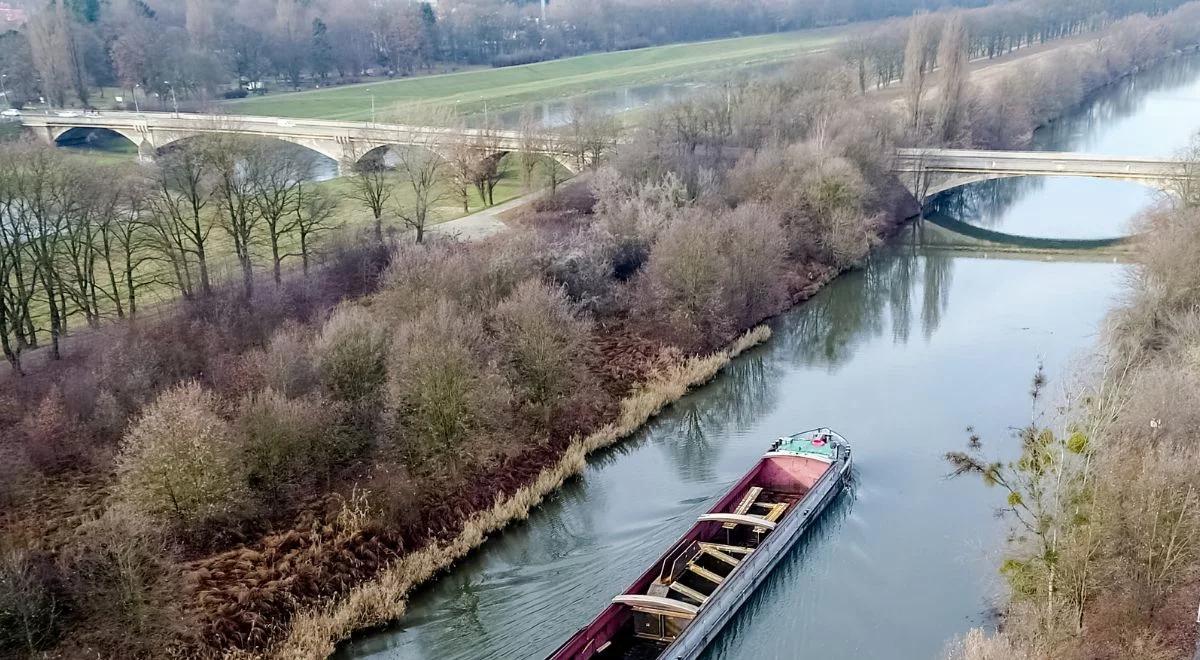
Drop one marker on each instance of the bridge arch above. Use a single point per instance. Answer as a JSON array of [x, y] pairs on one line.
[[323, 165], [173, 140], [94, 136]]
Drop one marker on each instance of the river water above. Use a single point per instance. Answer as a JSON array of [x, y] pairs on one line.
[[900, 357]]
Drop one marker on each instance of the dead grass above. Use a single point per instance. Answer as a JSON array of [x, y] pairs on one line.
[[315, 633]]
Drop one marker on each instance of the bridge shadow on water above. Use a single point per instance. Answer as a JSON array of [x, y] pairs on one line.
[[971, 218], [942, 231]]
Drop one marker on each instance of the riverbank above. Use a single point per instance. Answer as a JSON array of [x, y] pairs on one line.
[[316, 633], [1112, 572]]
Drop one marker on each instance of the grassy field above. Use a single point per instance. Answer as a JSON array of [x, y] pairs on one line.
[[508, 87]]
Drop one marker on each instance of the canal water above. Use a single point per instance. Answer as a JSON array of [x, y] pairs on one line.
[[901, 357]]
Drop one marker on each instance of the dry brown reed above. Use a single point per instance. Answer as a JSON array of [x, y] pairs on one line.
[[315, 633]]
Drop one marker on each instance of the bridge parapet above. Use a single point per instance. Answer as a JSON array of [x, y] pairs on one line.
[[927, 172], [343, 141]]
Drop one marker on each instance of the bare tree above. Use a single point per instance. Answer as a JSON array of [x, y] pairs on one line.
[[589, 135], [53, 48], [371, 184], [856, 50], [531, 147], [460, 178], [314, 213], [183, 191], [276, 174], [490, 165], [78, 268], [917, 63], [422, 168], [235, 162], [17, 278], [127, 241], [954, 62], [45, 193]]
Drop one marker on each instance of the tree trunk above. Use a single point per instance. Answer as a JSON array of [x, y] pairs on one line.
[[205, 284], [276, 260], [55, 320], [12, 356]]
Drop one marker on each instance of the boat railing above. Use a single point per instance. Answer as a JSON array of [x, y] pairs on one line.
[[671, 553]]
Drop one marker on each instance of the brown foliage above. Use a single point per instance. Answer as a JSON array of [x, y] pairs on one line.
[[444, 383], [54, 439], [124, 583], [544, 346]]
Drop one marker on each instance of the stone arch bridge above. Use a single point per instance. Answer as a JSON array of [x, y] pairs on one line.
[[344, 142], [927, 172]]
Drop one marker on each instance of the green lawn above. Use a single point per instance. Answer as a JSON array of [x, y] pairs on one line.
[[508, 87]]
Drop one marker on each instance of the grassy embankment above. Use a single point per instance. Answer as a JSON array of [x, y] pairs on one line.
[[508, 87]]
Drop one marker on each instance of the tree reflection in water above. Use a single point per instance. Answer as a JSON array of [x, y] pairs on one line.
[[862, 305], [743, 392]]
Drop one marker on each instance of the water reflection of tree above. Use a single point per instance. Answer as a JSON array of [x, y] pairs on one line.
[[745, 390], [986, 203], [1122, 99], [827, 330], [937, 269]]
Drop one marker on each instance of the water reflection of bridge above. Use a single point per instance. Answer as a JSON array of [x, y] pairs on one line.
[[940, 231]]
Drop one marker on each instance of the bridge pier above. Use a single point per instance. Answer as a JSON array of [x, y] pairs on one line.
[[146, 152], [42, 133]]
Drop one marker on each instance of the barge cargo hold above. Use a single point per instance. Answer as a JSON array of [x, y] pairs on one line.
[[687, 596]]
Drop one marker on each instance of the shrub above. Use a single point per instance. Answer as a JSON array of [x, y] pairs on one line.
[[32, 605], [583, 264], [287, 364], [124, 585], [543, 342], [683, 284], [634, 214], [754, 256], [285, 440], [54, 440], [820, 197], [444, 383], [474, 277], [350, 354], [179, 462]]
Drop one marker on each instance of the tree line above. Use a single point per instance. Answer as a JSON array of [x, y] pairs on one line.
[[81, 239], [198, 48], [86, 239]]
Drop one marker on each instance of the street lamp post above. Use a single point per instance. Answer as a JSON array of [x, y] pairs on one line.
[[372, 104], [174, 101], [136, 108]]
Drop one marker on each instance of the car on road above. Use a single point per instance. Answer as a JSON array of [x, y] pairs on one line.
[[285, 123], [10, 112], [67, 113]]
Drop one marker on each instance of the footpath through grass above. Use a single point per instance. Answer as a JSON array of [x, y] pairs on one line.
[[508, 87]]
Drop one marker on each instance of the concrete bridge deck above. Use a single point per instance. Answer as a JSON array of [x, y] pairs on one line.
[[343, 141], [925, 172], [931, 171]]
